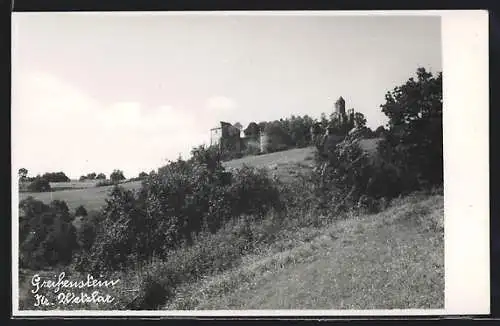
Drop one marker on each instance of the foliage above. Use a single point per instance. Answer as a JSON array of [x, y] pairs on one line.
[[380, 132], [101, 176], [81, 211], [46, 235], [252, 130], [105, 183], [408, 157], [142, 175], [39, 184], [56, 177], [210, 254], [238, 126], [91, 176], [414, 140], [22, 173], [116, 176], [183, 199], [278, 135]]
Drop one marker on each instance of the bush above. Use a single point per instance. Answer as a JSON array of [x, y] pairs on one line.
[[183, 199], [117, 176], [46, 235], [87, 232], [414, 141], [104, 183], [408, 158], [91, 176], [81, 211], [101, 176], [40, 184], [210, 254], [56, 177]]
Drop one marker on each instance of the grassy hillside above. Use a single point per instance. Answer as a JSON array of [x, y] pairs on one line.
[[394, 259], [286, 163], [91, 197]]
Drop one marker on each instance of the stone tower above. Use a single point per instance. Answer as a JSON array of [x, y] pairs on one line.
[[340, 106]]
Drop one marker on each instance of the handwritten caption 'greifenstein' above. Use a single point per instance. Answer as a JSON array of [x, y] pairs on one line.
[[69, 292]]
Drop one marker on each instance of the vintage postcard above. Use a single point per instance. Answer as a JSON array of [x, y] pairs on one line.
[[250, 163]]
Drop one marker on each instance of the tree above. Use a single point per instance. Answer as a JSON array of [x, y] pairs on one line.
[[359, 120], [23, 173], [56, 177], [252, 130], [80, 211], [143, 175], [415, 135], [101, 176], [47, 236], [82, 178], [39, 184], [380, 131], [117, 176], [279, 138], [238, 125], [91, 176]]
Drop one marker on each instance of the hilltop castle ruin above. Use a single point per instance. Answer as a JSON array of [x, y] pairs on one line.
[[228, 138]]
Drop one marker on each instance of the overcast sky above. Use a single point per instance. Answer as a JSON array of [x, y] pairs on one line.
[[95, 92]]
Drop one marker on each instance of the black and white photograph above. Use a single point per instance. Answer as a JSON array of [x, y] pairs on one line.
[[265, 161]]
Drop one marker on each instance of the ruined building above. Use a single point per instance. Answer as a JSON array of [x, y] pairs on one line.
[[340, 106], [227, 137]]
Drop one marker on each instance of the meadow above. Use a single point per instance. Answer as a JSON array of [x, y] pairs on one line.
[[76, 193], [284, 164]]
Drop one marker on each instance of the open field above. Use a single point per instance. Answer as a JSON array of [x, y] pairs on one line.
[[85, 193], [285, 164], [74, 184], [91, 197], [391, 260]]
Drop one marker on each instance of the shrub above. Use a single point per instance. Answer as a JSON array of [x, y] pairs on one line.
[[87, 232], [46, 235], [117, 175], [91, 176], [81, 211], [104, 183], [40, 184], [211, 253], [414, 141], [101, 176], [408, 158], [183, 199], [56, 177]]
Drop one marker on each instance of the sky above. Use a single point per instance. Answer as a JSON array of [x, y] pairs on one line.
[[98, 92]]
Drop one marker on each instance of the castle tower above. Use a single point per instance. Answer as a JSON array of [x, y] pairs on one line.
[[340, 106]]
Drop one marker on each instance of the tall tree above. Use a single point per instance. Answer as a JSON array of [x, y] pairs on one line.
[[23, 173], [415, 135]]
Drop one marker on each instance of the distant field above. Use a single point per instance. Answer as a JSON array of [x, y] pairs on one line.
[[285, 164], [91, 197], [74, 184]]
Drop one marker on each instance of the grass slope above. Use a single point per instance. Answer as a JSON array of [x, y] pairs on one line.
[[391, 260], [85, 193], [93, 198]]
